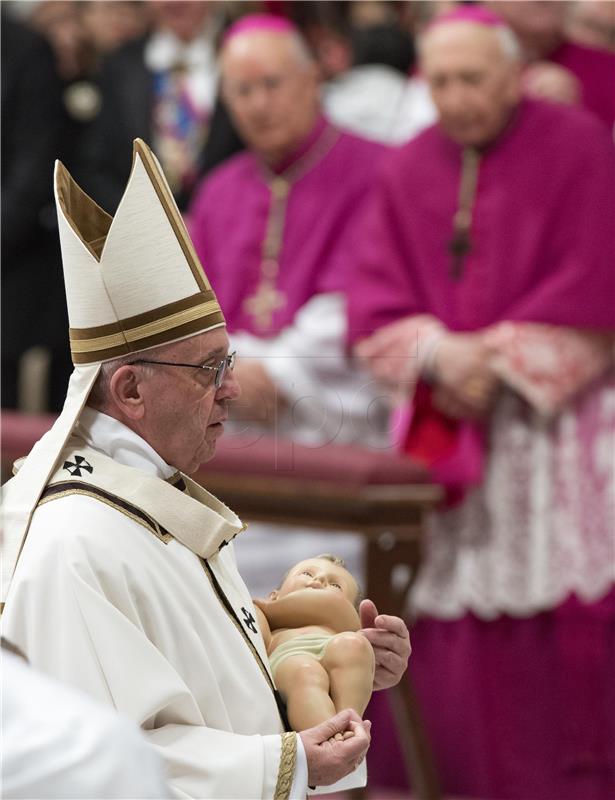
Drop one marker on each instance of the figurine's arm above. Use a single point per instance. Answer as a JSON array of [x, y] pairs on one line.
[[311, 607]]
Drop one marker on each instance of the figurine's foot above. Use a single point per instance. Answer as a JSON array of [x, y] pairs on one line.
[[340, 737]]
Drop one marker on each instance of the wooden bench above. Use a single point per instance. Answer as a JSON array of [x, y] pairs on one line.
[[382, 497]]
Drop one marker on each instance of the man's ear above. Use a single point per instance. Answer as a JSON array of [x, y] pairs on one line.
[[274, 595], [125, 392]]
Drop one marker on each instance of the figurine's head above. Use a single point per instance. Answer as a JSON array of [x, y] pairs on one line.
[[325, 573]]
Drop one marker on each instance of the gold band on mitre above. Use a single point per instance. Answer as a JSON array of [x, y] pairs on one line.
[[150, 329]]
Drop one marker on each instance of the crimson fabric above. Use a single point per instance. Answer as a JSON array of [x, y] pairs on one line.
[[595, 70], [526, 711], [229, 215], [432, 435], [542, 229], [452, 450]]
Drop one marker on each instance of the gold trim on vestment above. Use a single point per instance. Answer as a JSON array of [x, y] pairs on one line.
[[152, 528], [236, 622], [286, 771]]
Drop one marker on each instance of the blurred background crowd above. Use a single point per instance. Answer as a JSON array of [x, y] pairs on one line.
[[518, 581], [79, 81]]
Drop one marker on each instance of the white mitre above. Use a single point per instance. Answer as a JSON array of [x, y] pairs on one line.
[[133, 281]]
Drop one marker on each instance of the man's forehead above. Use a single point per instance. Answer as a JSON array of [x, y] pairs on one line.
[[256, 48], [463, 40], [209, 343]]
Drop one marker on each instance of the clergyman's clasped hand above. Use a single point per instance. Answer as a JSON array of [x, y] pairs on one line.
[[329, 759]]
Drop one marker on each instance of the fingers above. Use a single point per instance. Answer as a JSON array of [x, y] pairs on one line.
[[368, 613], [336, 747], [392, 624], [337, 724], [391, 644], [390, 652], [358, 744], [388, 632]]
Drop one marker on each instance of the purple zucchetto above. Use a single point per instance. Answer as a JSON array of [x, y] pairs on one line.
[[259, 22], [476, 14]]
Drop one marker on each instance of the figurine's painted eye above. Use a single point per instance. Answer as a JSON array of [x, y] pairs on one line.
[[337, 586], [307, 572]]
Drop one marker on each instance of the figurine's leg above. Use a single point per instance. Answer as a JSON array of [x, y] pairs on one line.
[[349, 660], [304, 685]]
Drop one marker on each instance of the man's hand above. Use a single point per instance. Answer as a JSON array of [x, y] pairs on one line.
[[544, 80], [329, 759], [465, 382], [391, 352], [391, 642]]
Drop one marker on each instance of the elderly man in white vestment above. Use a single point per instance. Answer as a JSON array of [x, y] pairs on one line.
[[119, 568]]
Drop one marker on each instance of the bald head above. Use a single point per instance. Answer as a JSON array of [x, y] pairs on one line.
[[270, 85], [473, 72]]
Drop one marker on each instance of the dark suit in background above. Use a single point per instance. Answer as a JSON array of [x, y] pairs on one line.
[[33, 304], [127, 89]]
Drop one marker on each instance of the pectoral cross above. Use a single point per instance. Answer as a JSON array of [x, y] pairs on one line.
[[461, 244], [262, 305], [459, 247]]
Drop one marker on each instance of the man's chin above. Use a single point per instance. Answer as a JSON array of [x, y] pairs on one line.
[[205, 455]]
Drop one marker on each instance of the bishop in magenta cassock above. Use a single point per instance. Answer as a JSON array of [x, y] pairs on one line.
[[485, 293], [276, 226]]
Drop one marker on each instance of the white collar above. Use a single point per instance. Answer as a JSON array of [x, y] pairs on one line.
[[163, 50], [111, 437]]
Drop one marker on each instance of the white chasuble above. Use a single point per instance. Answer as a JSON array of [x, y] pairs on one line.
[[127, 588]]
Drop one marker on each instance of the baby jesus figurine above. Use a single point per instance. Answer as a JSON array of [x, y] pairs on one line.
[[320, 663]]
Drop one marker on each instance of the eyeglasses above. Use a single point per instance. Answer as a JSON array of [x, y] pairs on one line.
[[220, 369]]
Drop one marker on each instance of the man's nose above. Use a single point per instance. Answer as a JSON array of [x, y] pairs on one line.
[[454, 100], [258, 100], [230, 389]]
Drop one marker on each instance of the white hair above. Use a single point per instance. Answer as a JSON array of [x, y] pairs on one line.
[[305, 57], [99, 394], [508, 41]]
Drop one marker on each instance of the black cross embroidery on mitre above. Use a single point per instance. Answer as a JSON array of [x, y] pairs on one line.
[[76, 467], [248, 620]]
